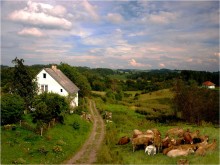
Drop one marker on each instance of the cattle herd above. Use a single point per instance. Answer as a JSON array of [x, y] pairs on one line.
[[177, 142]]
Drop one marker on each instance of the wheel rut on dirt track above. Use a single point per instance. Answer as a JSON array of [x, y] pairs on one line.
[[87, 154]]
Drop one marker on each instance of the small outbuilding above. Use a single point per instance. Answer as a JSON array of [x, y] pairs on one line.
[[54, 80], [208, 84]]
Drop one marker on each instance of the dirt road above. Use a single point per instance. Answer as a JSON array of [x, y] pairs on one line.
[[87, 154]]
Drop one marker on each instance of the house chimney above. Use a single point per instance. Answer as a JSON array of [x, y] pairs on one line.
[[54, 67]]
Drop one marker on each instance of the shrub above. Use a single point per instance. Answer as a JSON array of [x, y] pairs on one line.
[[76, 125], [57, 149], [42, 150], [50, 106], [12, 108]]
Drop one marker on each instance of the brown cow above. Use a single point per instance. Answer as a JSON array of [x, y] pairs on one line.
[[175, 132], [141, 141], [137, 132], [200, 151], [212, 146], [166, 142], [123, 140], [179, 152], [195, 134], [187, 137], [166, 150]]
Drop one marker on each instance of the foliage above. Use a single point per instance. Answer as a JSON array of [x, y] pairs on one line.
[[76, 125], [23, 83], [83, 107], [196, 104], [12, 108], [79, 79], [49, 106], [200, 76]]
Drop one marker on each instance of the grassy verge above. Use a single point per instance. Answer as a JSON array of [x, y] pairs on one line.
[[56, 145]]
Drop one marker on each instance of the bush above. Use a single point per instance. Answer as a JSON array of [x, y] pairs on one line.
[[57, 149], [49, 106], [76, 125], [12, 108]]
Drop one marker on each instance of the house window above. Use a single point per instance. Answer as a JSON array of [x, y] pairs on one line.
[[44, 75], [44, 88], [61, 90]]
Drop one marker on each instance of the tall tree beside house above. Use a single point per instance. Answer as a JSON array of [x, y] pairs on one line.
[[80, 80], [12, 108], [22, 82]]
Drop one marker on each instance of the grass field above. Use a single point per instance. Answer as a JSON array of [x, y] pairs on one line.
[[55, 146], [125, 120]]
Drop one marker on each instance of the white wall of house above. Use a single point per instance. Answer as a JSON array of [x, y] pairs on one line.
[[53, 86], [211, 87]]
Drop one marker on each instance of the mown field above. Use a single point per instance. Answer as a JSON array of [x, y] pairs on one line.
[[125, 120], [59, 143]]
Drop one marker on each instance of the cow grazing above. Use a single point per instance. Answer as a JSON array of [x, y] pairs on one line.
[[123, 140], [179, 152], [141, 141], [151, 150]]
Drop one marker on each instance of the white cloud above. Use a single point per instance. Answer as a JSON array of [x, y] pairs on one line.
[[162, 65], [162, 17], [115, 18], [217, 54], [31, 32], [41, 15], [134, 63], [91, 10]]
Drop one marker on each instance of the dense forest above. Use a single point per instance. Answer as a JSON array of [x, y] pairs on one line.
[[103, 79]]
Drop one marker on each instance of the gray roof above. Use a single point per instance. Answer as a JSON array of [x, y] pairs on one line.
[[64, 81]]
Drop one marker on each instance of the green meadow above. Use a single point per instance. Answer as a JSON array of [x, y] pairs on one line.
[[59, 143], [125, 119]]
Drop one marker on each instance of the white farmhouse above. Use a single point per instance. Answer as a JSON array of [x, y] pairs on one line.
[[53, 80]]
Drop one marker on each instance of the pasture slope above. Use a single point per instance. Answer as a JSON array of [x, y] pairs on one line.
[[125, 119], [87, 154]]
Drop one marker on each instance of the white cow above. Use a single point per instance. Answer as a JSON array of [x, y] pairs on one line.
[[151, 150]]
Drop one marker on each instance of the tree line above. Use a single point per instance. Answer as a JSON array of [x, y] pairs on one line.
[[189, 97]]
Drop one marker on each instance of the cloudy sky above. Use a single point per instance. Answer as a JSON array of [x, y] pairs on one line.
[[112, 34]]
